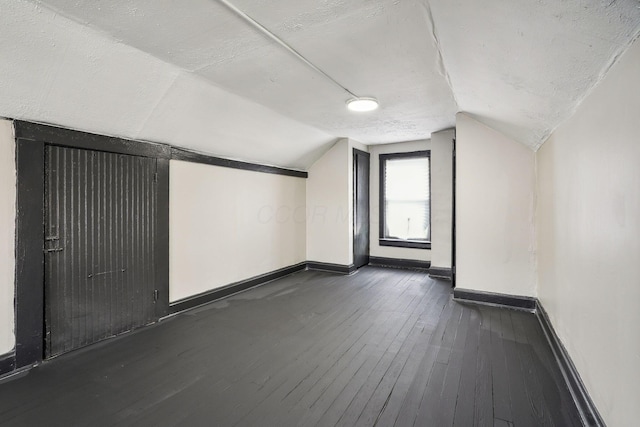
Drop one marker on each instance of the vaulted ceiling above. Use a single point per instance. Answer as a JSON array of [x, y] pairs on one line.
[[192, 73]]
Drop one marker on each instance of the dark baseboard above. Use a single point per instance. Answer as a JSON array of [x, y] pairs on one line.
[[332, 268], [399, 263], [7, 363], [586, 408], [225, 291], [510, 301], [441, 273]]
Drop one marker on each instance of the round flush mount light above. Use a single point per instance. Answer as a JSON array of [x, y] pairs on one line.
[[362, 104]]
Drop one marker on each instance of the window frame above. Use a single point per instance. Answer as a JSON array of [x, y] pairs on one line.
[[382, 166]]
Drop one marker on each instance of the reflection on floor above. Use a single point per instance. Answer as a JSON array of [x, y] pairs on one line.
[[381, 347]]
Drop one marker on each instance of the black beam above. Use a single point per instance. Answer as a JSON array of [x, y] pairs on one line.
[[190, 156]]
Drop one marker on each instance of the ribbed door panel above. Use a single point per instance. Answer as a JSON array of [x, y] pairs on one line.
[[99, 248]]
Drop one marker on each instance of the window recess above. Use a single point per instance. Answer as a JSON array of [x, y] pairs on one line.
[[405, 200]]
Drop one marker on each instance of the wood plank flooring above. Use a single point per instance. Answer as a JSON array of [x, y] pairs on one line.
[[382, 347]]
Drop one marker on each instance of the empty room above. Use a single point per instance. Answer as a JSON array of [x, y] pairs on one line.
[[329, 212]]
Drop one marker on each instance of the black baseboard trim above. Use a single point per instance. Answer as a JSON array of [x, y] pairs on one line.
[[441, 273], [399, 263], [509, 301], [233, 288], [586, 408], [331, 268], [7, 363]]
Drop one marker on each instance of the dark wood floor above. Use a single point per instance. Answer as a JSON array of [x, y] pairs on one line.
[[382, 347]]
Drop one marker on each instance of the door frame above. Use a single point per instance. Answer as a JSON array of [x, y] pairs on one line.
[[357, 153], [453, 214], [31, 139]]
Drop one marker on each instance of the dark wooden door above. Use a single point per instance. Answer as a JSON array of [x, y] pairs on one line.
[[100, 227], [360, 208]]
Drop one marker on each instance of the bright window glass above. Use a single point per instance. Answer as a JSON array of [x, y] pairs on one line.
[[406, 198]]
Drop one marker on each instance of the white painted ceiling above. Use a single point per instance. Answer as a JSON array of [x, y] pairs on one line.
[[192, 73]]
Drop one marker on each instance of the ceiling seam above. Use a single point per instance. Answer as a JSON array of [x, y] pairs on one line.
[[178, 70], [161, 98], [613, 61], [257, 25], [434, 36]]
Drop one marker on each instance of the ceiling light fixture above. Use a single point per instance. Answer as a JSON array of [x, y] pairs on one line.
[[361, 104], [355, 104]]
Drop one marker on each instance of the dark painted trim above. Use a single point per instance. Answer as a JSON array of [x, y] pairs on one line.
[[453, 214], [29, 303], [586, 408], [404, 243], [332, 268], [382, 240], [190, 156], [399, 263], [7, 363], [510, 301], [233, 288], [60, 136], [441, 273], [162, 238], [366, 155], [77, 139], [406, 154]]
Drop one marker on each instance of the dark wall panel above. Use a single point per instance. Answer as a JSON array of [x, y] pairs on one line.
[[361, 208], [161, 233], [29, 257], [100, 228]]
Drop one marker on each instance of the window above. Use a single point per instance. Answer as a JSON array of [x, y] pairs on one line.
[[405, 200]]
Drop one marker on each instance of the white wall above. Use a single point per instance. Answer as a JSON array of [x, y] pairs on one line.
[[328, 218], [389, 251], [7, 235], [441, 197], [495, 196], [330, 205], [588, 225], [228, 225]]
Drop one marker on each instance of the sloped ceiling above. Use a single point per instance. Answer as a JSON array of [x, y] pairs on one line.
[[523, 66], [192, 73]]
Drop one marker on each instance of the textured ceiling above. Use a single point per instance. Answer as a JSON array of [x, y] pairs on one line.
[[523, 66], [378, 48], [192, 73]]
